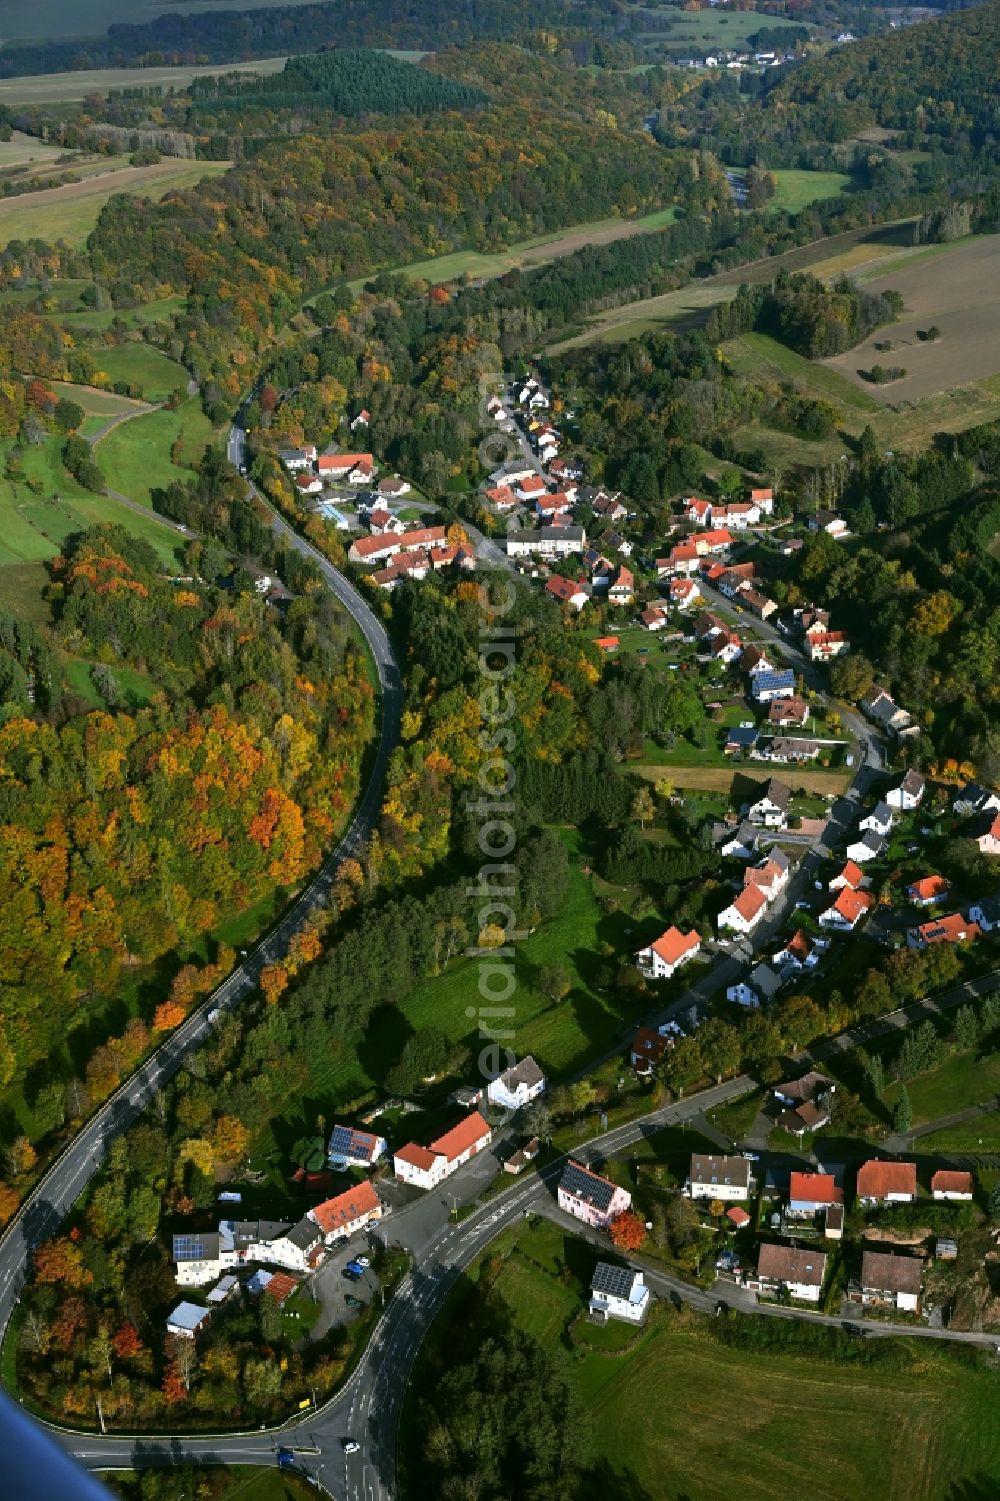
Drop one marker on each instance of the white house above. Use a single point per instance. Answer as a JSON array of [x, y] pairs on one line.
[[868, 847], [809, 1193], [909, 794], [187, 1320], [986, 913], [295, 459], [885, 1182], [844, 914], [890, 1281], [347, 1213], [546, 541], [770, 810], [744, 913], [777, 684], [952, 1186], [350, 1147], [618, 1292], [666, 954], [517, 1086], [878, 821], [203, 1256], [770, 876], [724, 1178], [799, 1272], [425, 1167]]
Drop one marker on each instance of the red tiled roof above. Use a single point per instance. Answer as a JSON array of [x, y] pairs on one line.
[[738, 1216], [951, 929], [878, 1179], [852, 875], [852, 904], [750, 901], [929, 887], [344, 461], [335, 1213], [416, 1155], [281, 1287], [470, 1130], [718, 538], [945, 1181], [684, 552], [815, 1188], [673, 945], [650, 1044]]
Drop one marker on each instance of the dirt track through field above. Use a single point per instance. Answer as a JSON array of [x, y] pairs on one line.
[[720, 778], [958, 290]]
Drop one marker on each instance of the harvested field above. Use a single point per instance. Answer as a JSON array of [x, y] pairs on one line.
[[721, 778], [55, 88], [24, 150], [689, 307], [69, 213], [958, 290]]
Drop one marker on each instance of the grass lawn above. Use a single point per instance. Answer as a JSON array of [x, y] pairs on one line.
[[562, 1035], [681, 1413], [160, 311], [143, 366], [70, 213], [713, 28], [795, 188], [962, 1080], [134, 688], [981, 1134], [758, 355], [136, 456], [36, 525]]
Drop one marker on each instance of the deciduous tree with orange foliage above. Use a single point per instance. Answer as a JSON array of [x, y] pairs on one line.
[[628, 1231], [59, 1261]]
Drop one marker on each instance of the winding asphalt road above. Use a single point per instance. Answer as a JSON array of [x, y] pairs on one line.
[[42, 1213]]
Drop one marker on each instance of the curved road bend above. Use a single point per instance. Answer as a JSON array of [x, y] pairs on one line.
[[52, 1199]]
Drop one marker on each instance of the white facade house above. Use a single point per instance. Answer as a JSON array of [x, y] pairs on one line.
[[517, 1086], [350, 1147], [546, 542], [201, 1257], [799, 1272], [909, 794], [666, 954], [618, 1292], [950, 1186], [724, 1178], [187, 1319], [878, 821], [890, 1281], [426, 1167], [868, 847], [770, 810], [743, 914]]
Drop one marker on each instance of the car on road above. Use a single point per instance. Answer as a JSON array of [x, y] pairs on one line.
[[353, 1274], [350, 1446], [357, 1265], [364, 1261], [286, 1459]]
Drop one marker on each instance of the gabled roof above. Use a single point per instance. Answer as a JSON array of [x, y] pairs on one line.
[[673, 945], [930, 888], [852, 905], [470, 1130], [883, 1272], [806, 1087], [648, 1043], [525, 1072], [580, 1183], [815, 1188], [775, 792], [946, 1181], [347, 1207], [792, 1264], [852, 875], [348, 1141], [416, 1156], [877, 1179], [750, 902], [614, 1281], [729, 1171], [913, 783], [951, 929]]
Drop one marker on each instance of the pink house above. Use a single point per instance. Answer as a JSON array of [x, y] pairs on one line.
[[589, 1197]]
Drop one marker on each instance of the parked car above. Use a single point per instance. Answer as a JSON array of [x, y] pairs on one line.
[[364, 1261], [352, 1274], [353, 1302]]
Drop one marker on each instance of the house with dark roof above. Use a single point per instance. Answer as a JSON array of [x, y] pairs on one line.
[[588, 1197], [350, 1147], [719, 1177], [777, 684], [908, 794], [797, 1271], [647, 1050], [770, 809], [517, 1086], [888, 1281], [618, 1292]]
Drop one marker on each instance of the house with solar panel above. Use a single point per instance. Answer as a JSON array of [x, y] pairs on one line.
[[352, 1148], [201, 1257], [589, 1197], [618, 1292]]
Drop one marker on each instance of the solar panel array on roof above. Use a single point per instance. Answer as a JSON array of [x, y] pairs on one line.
[[576, 1180], [615, 1281], [196, 1247]]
